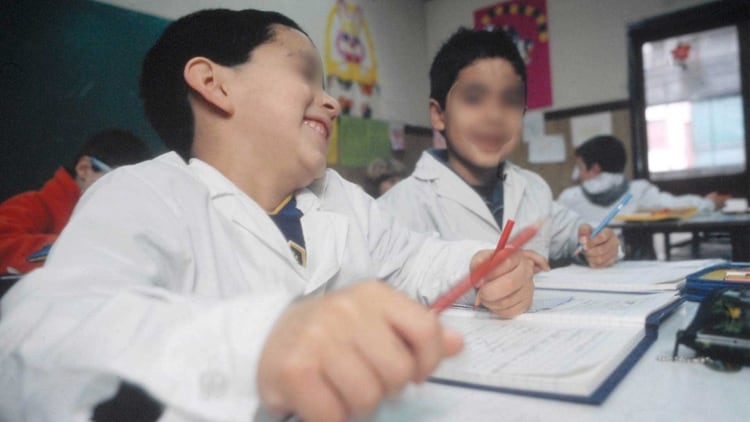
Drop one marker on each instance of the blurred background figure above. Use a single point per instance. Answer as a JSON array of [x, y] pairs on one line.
[[382, 174], [600, 166], [31, 221]]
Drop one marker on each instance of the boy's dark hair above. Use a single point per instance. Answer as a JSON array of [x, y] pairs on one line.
[[227, 37], [114, 147], [462, 49], [605, 150]]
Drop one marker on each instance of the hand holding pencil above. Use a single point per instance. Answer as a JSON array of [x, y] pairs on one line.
[[600, 245], [505, 277]]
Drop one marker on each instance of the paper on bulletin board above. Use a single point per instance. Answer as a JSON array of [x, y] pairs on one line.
[[362, 140], [583, 128], [547, 149], [397, 131], [533, 126]]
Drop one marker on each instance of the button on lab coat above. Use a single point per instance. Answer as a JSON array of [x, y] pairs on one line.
[[170, 278]]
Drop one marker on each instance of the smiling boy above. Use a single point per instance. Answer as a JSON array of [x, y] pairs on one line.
[[191, 286], [470, 190]]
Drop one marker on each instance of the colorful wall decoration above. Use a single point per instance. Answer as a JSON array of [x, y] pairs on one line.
[[351, 63], [526, 21]]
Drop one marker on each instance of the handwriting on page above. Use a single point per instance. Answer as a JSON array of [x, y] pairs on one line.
[[518, 349]]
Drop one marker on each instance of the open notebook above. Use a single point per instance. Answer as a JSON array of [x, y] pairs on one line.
[[571, 346], [624, 276]]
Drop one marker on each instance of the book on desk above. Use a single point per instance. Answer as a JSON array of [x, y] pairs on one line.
[[624, 276], [660, 214], [585, 330], [573, 346]]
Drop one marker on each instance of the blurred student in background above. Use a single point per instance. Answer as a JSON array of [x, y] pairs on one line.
[[600, 166], [382, 174], [31, 221]]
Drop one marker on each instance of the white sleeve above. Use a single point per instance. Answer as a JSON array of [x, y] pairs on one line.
[[652, 197], [407, 203], [564, 226], [114, 304], [421, 264]]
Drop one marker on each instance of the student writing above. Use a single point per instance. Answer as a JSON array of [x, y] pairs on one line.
[[600, 166], [468, 191]]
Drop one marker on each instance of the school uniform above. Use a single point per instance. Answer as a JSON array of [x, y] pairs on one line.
[[435, 199], [168, 277], [594, 198]]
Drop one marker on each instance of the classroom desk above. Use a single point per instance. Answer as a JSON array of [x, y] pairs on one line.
[[638, 236], [651, 391]]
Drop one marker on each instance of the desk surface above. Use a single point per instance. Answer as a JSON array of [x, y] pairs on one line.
[[651, 391], [638, 235], [714, 220]]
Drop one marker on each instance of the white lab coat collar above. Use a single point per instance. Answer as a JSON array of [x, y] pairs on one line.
[[450, 185], [325, 232], [603, 182]]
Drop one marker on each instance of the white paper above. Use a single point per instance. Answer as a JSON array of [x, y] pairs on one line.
[[623, 276], [735, 205], [397, 131], [547, 149], [533, 126], [583, 128], [590, 334]]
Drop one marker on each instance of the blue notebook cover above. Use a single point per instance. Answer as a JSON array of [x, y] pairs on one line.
[[599, 395], [700, 283]]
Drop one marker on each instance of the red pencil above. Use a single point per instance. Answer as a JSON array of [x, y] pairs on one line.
[[448, 298], [500, 245]]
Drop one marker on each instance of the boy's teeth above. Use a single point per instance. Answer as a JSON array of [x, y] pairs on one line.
[[317, 126]]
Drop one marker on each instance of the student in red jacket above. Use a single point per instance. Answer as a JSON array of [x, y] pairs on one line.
[[31, 221]]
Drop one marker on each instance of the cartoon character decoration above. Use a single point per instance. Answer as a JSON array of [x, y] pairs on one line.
[[350, 59], [526, 22]]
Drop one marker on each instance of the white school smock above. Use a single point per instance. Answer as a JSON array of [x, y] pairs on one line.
[[435, 199], [170, 278], [645, 195]]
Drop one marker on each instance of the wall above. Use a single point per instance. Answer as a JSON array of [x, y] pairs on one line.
[[588, 41], [397, 28], [69, 69]]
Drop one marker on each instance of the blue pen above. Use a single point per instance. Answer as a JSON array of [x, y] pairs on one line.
[[607, 219]]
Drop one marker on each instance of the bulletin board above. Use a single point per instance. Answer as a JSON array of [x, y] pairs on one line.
[[417, 139], [69, 69], [558, 174]]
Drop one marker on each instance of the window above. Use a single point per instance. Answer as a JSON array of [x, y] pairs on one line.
[[690, 98], [694, 121]]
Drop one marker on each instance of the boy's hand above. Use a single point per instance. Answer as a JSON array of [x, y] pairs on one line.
[[508, 289], [334, 357], [718, 199], [600, 251]]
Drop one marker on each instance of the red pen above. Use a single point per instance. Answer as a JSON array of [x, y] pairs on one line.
[[463, 286], [500, 245]]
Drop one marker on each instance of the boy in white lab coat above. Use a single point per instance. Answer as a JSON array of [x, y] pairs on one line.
[[470, 190], [190, 287], [600, 166]]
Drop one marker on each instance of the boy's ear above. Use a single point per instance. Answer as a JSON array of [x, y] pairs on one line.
[[206, 78], [83, 168], [437, 117], [596, 168]]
